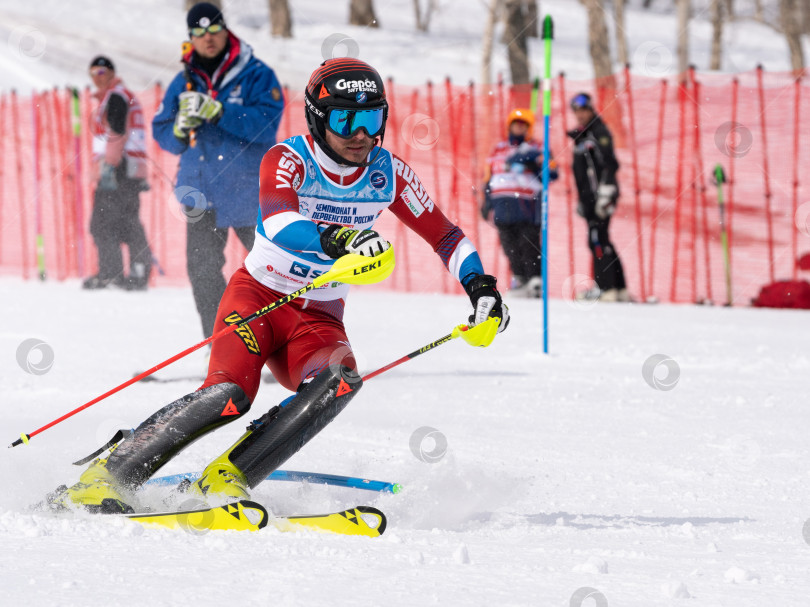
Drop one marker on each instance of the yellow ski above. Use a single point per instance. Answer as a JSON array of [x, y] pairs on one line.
[[245, 515], [362, 520]]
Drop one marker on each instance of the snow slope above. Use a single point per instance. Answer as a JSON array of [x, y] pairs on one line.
[[562, 472]]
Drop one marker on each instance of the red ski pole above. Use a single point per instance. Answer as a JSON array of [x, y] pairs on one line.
[[350, 269]]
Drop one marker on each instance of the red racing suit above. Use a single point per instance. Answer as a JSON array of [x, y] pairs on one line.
[[301, 189]]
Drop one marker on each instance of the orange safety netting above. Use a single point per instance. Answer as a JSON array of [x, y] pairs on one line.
[[669, 134]]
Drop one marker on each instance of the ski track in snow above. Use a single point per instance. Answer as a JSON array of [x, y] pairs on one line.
[[561, 472]]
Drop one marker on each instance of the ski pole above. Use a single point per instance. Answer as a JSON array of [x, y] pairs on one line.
[[317, 478], [350, 269], [535, 96], [720, 179], [548, 36], [479, 335]]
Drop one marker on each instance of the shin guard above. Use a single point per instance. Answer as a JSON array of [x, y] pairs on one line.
[[173, 428], [281, 432]]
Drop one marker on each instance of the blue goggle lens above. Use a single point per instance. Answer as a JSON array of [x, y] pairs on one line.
[[346, 123]]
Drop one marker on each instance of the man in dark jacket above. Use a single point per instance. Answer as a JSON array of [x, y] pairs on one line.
[[220, 115], [595, 168]]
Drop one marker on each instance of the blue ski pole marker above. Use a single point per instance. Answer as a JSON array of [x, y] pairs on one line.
[[548, 36]]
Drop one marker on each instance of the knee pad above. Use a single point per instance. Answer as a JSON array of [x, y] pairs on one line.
[[282, 431]]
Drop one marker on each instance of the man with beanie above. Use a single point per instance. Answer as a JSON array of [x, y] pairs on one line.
[[220, 115], [595, 167], [119, 154]]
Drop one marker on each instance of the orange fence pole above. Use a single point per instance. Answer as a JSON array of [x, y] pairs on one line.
[[795, 202], [659, 143], [766, 173], [24, 243], [636, 186], [474, 168], [565, 174], [701, 184], [678, 187]]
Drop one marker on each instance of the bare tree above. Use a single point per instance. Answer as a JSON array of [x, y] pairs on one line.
[[531, 10], [789, 16], [190, 3], [621, 35], [423, 19], [605, 81], [361, 12], [717, 35], [683, 7], [488, 41], [598, 43], [515, 40], [759, 14], [788, 21], [805, 16], [280, 19]]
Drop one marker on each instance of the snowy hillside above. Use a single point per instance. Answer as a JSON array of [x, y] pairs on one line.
[[50, 42], [561, 472]]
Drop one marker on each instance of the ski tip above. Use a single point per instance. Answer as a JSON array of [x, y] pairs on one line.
[[396, 488], [373, 519]]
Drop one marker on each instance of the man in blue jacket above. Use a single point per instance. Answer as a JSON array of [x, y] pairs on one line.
[[220, 115]]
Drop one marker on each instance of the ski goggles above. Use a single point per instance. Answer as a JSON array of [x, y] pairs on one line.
[[199, 32], [345, 123]]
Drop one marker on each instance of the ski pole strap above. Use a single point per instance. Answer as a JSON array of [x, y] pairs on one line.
[[118, 437]]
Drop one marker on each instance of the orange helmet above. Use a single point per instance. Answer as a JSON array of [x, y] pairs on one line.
[[524, 115]]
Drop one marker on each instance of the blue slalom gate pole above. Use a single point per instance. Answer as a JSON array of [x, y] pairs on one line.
[[548, 36]]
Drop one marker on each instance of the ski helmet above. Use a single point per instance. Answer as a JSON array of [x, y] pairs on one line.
[[582, 101], [345, 95], [523, 115]]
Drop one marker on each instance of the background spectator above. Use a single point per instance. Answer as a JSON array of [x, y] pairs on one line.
[[595, 168], [119, 154], [512, 195], [220, 114]]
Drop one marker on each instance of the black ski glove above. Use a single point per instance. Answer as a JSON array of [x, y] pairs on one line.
[[337, 241], [486, 301]]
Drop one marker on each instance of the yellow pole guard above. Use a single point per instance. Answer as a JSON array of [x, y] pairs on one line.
[[481, 335]]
